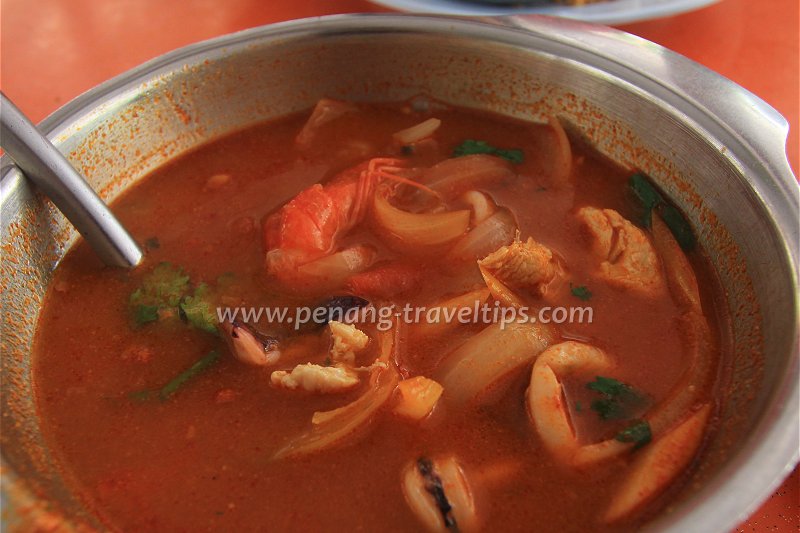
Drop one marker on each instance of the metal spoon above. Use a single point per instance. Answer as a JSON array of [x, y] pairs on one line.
[[44, 165]]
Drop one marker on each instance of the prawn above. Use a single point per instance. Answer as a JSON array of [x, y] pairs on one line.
[[309, 228]]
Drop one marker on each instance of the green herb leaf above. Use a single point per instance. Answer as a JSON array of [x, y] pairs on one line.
[[141, 396], [181, 379], [639, 433], [167, 291], [651, 199], [647, 194], [607, 386], [163, 287], [581, 292], [471, 147], [152, 243], [678, 225], [619, 399], [142, 314], [198, 309]]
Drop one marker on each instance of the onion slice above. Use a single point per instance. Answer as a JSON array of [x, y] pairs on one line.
[[494, 232], [419, 229], [481, 204], [456, 176], [694, 330], [562, 166], [658, 465], [448, 311], [334, 269], [331, 428], [418, 131], [327, 110], [490, 356]]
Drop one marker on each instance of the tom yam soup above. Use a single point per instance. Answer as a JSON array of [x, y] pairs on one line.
[[385, 317]]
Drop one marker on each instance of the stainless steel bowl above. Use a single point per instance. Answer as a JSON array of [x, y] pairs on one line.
[[715, 148]]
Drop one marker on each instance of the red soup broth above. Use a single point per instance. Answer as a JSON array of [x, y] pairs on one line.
[[202, 459]]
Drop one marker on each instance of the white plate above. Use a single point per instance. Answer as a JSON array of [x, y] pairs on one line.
[[608, 12]]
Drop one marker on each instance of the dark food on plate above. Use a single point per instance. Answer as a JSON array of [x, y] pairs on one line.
[[522, 3], [168, 412]]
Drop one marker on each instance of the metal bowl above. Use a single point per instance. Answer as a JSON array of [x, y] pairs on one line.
[[715, 148]]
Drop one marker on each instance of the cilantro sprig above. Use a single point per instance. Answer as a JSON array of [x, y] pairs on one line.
[[638, 433], [618, 400], [472, 147], [161, 289], [581, 292], [179, 381], [198, 309], [167, 291], [652, 200]]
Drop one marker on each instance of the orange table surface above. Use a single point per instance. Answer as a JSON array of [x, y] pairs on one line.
[[53, 50]]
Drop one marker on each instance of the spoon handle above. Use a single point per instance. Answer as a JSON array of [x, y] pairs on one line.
[[46, 167]]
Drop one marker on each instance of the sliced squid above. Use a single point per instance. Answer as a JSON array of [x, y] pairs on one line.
[[545, 396], [438, 493], [677, 424], [627, 257]]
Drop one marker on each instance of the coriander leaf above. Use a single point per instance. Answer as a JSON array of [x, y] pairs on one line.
[[647, 194], [198, 309], [163, 287], [140, 396], [152, 243], [678, 225], [197, 368], [639, 433], [608, 409], [142, 314], [607, 386], [619, 399], [472, 147], [581, 292], [651, 199]]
